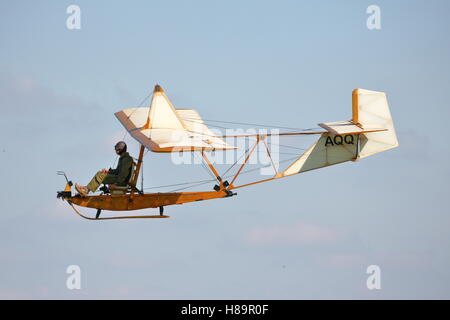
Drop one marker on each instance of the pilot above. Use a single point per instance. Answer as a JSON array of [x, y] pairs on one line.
[[114, 177]]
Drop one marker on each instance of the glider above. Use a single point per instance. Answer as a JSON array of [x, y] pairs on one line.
[[163, 128]]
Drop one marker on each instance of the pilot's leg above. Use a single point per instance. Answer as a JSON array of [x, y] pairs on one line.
[[96, 181], [110, 179]]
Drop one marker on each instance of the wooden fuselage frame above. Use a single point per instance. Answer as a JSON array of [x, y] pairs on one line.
[[137, 201]]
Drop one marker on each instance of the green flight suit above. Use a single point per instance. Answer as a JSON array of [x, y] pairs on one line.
[[119, 176]]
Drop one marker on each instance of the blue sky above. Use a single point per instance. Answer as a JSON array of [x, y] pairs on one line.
[[291, 64]]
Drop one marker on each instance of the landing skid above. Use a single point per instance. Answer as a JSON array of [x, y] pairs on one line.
[[97, 218]]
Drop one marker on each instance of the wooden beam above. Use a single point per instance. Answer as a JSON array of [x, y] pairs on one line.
[[246, 159], [216, 174], [138, 167]]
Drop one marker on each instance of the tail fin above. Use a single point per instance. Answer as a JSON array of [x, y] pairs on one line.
[[370, 131], [371, 110]]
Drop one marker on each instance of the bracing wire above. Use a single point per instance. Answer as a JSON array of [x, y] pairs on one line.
[[140, 104], [195, 185], [205, 167], [180, 184], [251, 124], [224, 175], [242, 173], [236, 161], [265, 166], [192, 184]]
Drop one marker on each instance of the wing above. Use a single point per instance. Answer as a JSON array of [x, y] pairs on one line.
[[162, 128]]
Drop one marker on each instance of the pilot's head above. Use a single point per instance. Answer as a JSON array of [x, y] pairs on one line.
[[120, 147]]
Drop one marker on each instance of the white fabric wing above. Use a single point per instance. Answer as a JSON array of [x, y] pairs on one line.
[[162, 128]]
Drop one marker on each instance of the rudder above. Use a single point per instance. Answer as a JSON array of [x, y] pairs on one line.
[[371, 110]]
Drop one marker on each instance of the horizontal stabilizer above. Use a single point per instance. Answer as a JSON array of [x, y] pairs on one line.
[[370, 131], [347, 127]]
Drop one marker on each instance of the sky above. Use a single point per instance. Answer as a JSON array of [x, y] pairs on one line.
[[293, 64]]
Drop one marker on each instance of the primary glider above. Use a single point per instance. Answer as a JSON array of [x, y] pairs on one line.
[[162, 128]]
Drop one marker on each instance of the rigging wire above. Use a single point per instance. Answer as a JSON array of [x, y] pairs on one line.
[[285, 146], [142, 171], [204, 166], [126, 131], [201, 182], [236, 161], [196, 185], [255, 124], [180, 184], [140, 105], [199, 122], [265, 166], [125, 134], [242, 173]]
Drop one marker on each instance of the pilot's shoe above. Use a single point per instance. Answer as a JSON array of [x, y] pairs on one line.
[[83, 191]]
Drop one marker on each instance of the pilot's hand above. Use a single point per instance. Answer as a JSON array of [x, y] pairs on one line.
[[112, 186]]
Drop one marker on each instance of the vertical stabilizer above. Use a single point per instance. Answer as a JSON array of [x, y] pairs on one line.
[[371, 110]]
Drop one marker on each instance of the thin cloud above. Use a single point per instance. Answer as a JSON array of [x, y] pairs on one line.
[[27, 102], [297, 234], [342, 260]]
